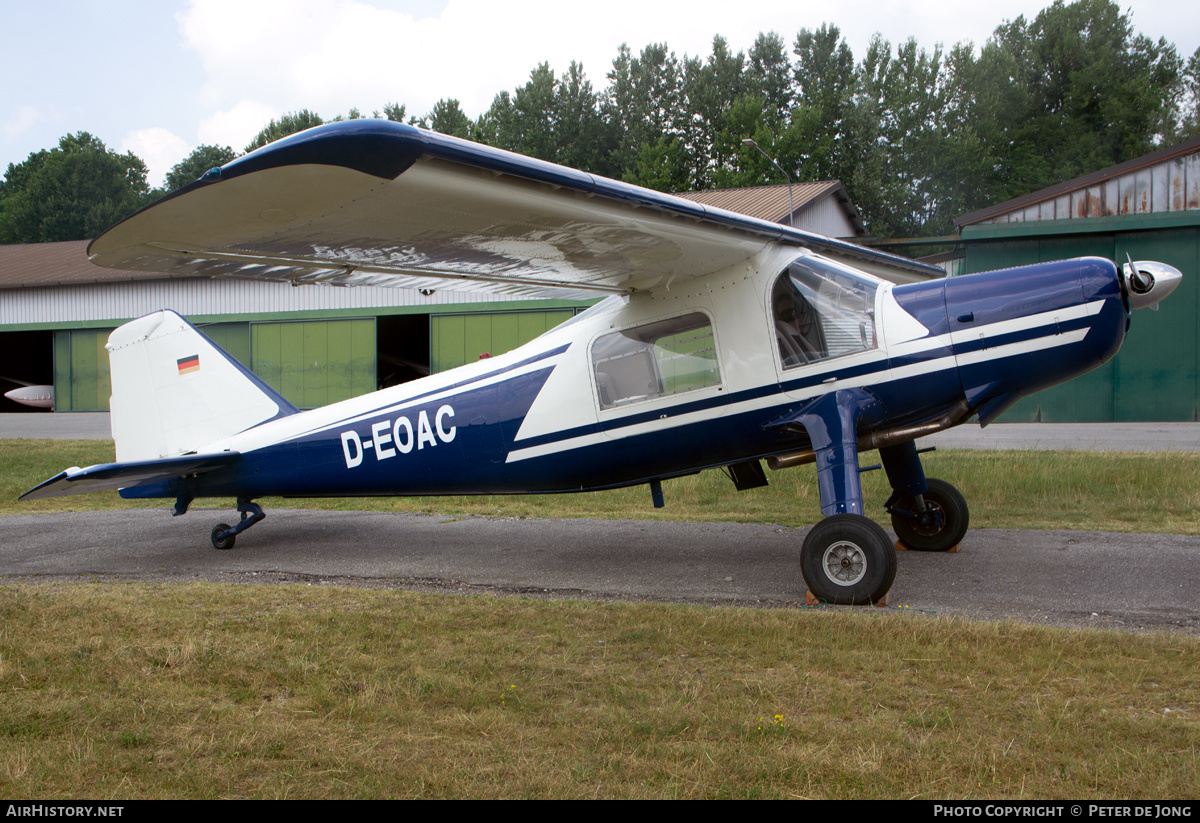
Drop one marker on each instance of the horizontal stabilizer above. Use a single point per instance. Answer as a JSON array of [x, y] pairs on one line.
[[108, 476]]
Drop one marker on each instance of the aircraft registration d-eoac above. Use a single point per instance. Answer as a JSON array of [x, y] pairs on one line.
[[723, 341]]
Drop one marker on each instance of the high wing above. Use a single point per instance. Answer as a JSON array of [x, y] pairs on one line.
[[372, 202]]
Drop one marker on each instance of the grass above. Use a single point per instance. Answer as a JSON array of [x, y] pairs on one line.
[[1095, 491], [115, 691], [135, 691]]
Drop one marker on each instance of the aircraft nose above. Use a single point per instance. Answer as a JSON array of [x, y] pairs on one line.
[[1147, 282]]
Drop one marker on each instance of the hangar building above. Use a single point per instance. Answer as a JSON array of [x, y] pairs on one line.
[[1147, 209]]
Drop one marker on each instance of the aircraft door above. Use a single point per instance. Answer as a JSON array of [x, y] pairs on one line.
[[824, 321]]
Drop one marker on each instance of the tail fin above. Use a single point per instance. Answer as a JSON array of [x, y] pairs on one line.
[[175, 391]]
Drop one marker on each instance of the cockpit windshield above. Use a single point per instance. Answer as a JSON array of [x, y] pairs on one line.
[[822, 310]]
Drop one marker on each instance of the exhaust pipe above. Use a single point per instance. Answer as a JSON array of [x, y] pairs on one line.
[[880, 439]]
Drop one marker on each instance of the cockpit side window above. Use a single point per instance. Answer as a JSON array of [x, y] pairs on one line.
[[655, 360], [822, 310]]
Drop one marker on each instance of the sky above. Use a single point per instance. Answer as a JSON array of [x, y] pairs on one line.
[[160, 77]]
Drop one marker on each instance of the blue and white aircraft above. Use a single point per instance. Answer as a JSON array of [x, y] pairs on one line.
[[724, 341]]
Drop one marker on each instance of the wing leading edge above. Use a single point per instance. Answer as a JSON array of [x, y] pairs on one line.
[[372, 202]]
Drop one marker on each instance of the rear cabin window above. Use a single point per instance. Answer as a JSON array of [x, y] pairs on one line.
[[655, 360], [822, 310]]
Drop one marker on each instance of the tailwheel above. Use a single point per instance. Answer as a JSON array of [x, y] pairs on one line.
[[848, 559], [217, 542], [940, 527], [223, 535]]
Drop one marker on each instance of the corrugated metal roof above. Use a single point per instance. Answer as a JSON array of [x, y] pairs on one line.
[[1162, 181], [58, 264], [771, 202]]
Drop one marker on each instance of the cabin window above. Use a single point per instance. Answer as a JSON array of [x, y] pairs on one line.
[[655, 360], [822, 310]]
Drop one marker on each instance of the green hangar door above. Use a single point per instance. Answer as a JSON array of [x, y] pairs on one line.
[[315, 362], [457, 339], [81, 374]]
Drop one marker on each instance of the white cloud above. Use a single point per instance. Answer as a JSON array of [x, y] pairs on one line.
[[236, 126], [23, 119], [159, 148]]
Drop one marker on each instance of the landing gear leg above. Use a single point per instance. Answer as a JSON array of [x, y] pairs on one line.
[[224, 536], [846, 558], [928, 515]]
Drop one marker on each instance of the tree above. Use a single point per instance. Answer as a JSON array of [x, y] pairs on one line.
[[72, 192], [894, 137], [1189, 123], [555, 119], [192, 167], [1093, 93], [825, 85], [392, 111], [289, 123], [769, 75], [523, 121], [585, 140], [642, 103], [447, 117], [708, 89]]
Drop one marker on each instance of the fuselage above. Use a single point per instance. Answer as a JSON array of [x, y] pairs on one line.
[[673, 381]]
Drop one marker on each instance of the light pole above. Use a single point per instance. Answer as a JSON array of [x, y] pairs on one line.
[[791, 203]]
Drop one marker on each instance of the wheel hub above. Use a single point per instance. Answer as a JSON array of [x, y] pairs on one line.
[[932, 521], [845, 563]]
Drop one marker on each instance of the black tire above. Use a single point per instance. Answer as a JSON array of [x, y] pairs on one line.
[[848, 559], [228, 542], [945, 501]]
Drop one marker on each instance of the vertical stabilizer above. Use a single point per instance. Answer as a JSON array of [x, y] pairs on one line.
[[175, 391]]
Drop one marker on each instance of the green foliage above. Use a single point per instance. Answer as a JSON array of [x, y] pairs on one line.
[[642, 103], [555, 119], [1189, 123], [825, 85], [661, 166], [192, 167], [447, 117], [287, 124], [392, 111], [72, 192], [1089, 93], [768, 75]]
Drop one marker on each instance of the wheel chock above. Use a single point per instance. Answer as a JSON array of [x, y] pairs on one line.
[[812, 600], [900, 547]]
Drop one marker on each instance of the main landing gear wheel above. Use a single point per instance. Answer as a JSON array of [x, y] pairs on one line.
[[848, 559], [217, 542], [943, 524]]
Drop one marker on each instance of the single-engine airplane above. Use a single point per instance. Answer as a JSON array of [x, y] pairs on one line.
[[723, 341]]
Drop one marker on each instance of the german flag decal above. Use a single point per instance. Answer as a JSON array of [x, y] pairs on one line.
[[189, 364]]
